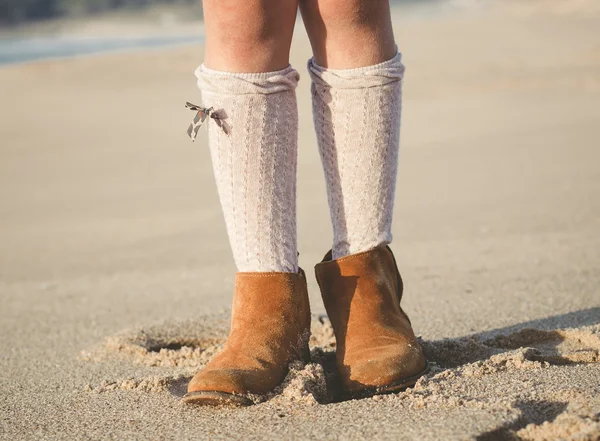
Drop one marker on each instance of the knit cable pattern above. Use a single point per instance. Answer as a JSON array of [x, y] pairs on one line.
[[255, 164], [357, 119]]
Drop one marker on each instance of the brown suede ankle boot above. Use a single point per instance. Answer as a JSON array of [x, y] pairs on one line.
[[270, 328], [376, 349]]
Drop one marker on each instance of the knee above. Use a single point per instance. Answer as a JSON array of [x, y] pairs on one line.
[[249, 22], [253, 34], [349, 13]]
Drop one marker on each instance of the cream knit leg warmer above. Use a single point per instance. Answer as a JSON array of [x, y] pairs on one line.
[[357, 119], [255, 163]]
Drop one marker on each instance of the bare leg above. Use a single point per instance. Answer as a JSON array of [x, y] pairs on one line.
[[249, 35], [346, 34]]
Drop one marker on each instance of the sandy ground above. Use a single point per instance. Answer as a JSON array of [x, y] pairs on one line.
[[116, 276]]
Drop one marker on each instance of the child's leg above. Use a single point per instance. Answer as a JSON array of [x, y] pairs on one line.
[[248, 82], [357, 79]]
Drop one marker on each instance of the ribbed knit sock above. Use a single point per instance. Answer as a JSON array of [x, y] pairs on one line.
[[254, 161], [357, 119]]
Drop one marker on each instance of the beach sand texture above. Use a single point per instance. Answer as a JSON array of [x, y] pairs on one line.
[[116, 275]]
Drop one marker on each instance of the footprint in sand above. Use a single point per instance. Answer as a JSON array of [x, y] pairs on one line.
[[527, 348], [179, 349]]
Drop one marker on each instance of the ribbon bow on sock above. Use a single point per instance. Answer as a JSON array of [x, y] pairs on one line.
[[201, 114]]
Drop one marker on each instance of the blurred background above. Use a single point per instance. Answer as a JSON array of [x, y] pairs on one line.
[[18, 12], [36, 29]]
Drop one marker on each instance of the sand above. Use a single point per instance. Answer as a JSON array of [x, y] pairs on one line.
[[116, 277]]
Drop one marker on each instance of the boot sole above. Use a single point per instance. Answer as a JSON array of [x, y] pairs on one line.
[[215, 398], [396, 386]]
